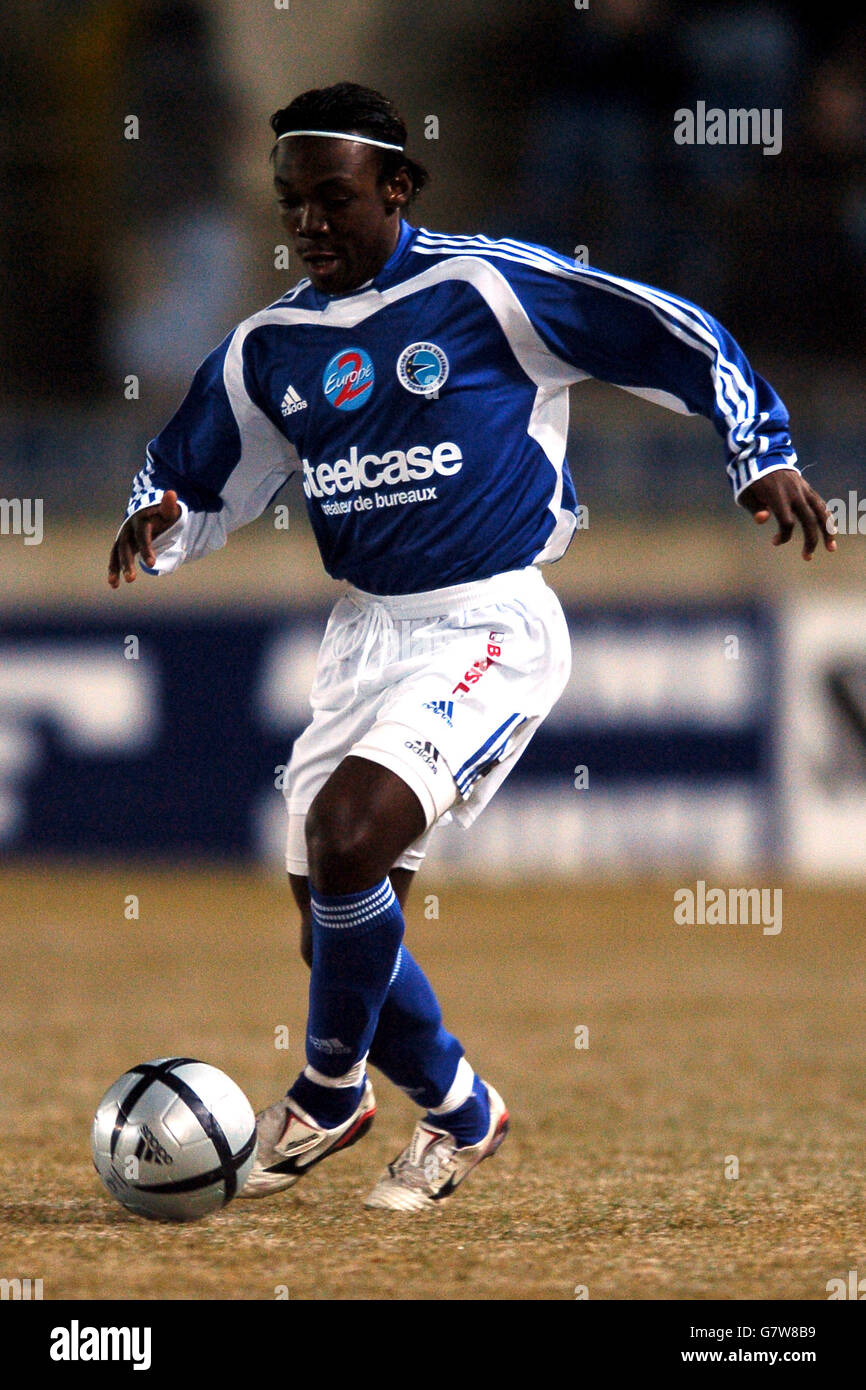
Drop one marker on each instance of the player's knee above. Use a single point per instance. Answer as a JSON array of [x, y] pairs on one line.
[[341, 842]]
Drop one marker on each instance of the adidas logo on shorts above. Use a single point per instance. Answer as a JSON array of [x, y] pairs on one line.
[[444, 708], [425, 750]]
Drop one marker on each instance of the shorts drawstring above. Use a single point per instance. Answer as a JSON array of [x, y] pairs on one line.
[[385, 629], [373, 627]]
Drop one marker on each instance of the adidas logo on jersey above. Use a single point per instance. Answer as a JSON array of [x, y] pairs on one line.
[[444, 708], [292, 402]]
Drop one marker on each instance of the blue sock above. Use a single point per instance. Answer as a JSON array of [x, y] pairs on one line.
[[411, 1047], [470, 1121], [356, 941]]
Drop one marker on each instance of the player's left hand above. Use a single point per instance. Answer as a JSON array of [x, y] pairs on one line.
[[787, 496]]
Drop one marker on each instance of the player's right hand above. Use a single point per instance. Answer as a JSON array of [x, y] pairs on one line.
[[137, 536]]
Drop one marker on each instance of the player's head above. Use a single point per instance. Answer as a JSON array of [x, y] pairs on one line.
[[341, 198]]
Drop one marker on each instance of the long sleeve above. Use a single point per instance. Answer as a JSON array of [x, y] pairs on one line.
[[221, 454], [659, 346]]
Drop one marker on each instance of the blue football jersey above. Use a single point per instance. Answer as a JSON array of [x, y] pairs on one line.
[[427, 411]]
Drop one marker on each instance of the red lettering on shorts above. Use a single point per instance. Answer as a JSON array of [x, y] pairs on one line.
[[476, 671]]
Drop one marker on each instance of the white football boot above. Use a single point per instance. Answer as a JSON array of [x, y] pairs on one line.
[[433, 1165], [290, 1143]]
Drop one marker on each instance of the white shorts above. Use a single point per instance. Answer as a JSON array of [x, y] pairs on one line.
[[444, 688]]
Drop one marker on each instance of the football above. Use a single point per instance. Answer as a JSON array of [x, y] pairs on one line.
[[173, 1139]]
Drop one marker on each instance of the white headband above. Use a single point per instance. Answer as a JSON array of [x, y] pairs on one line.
[[341, 135]]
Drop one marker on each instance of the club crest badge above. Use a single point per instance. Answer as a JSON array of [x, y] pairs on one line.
[[422, 368]]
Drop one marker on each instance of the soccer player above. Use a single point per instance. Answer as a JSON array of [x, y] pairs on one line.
[[419, 383]]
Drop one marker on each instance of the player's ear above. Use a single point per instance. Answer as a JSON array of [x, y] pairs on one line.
[[398, 189]]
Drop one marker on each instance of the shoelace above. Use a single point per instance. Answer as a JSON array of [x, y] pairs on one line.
[[427, 1167]]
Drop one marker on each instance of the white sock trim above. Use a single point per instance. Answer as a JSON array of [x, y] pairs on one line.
[[459, 1090], [338, 1083], [397, 963]]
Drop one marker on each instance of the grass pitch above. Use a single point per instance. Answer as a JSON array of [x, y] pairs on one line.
[[709, 1050]]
